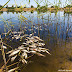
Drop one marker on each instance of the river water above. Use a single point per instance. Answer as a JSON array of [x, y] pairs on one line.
[[55, 28]]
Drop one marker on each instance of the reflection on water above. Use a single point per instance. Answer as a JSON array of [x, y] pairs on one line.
[[55, 28]]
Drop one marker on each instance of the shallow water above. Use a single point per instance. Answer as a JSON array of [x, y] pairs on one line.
[[56, 31]]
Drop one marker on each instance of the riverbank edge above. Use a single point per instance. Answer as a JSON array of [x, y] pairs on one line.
[[34, 9]]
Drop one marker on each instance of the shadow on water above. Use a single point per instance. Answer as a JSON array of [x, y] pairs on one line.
[[55, 29]]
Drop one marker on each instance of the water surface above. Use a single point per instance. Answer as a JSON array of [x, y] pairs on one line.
[[56, 31]]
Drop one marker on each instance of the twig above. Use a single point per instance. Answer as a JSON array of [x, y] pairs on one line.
[[3, 54]]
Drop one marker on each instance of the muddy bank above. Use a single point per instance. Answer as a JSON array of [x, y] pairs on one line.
[[30, 9]]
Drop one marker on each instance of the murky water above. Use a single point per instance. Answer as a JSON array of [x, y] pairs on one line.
[[56, 31]]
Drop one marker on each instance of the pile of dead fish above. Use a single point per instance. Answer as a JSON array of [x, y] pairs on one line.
[[31, 45]]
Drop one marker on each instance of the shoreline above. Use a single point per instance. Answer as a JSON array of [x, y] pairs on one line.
[[34, 9]]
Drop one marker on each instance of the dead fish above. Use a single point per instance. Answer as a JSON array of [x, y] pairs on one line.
[[9, 52], [48, 52], [23, 36], [11, 70], [33, 52], [41, 44], [24, 55], [42, 48], [24, 43], [14, 52], [13, 58], [35, 40], [39, 54], [21, 47], [28, 48], [29, 41], [27, 38], [30, 35], [24, 61], [13, 37], [26, 51], [34, 49], [4, 47], [14, 32], [36, 37], [17, 37], [33, 45]]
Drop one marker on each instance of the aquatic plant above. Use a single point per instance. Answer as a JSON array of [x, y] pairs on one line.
[[4, 4]]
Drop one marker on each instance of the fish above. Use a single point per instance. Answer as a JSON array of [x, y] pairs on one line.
[[21, 47], [30, 35], [26, 51], [24, 55], [43, 48], [29, 41], [33, 52], [28, 48], [34, 49], [48, 52], [13, 58], [14, 52], [17, 37], [14, 32], [24, 43], [39, 54], [4, 47], [23, 36], [41, 44], [36, 37], [9, 52], [24, 61], [33, 45]]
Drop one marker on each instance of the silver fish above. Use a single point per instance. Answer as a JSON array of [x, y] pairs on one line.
[[33, 45], [24, 61], [26, 51], [33, 52], [17, 37], [39, 54], [9, 52], [24, 55], [4, 47], [36, 37], [41, 44], [48, 52], [14, 52], [13, 58]]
